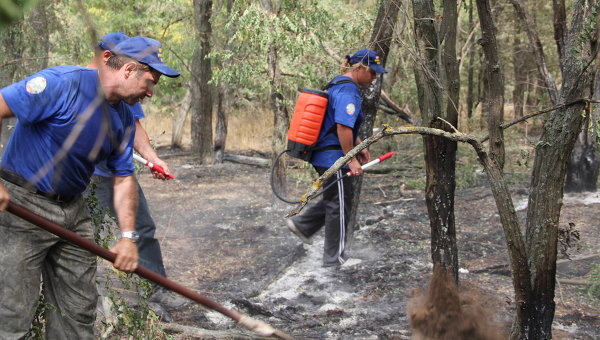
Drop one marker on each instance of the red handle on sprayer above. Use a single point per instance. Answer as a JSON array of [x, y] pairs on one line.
[[373, 162], [152, 166]]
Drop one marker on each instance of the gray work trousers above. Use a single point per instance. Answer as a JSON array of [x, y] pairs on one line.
[[333, 212], [29, 254], [148, 247]]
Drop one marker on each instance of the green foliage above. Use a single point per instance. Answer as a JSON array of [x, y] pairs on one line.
[[38, 324], [594, 282], [295, 32], [12, 10], [133, 319]]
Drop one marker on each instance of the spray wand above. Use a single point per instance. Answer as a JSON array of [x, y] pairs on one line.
[[373, 162], [152, 166]]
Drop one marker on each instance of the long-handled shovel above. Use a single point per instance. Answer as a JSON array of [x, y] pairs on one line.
[[257, 326]]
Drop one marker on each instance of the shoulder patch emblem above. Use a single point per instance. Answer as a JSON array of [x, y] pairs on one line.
[[350, 109], [36, 85]]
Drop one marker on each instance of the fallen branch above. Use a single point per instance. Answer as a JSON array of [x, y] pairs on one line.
[[184, 332], [394, 201], [256, 161], [383, 132], [578, 282]]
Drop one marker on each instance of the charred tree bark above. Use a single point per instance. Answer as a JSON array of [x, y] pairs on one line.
[[201, 90], [380, 42], [440, 154]]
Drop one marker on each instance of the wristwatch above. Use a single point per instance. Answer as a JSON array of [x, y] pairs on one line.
[[132, 235]]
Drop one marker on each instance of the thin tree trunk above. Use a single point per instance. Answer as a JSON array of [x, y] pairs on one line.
[[494, 84], [179, 119], [471, 69], [202, 101], [520, 75], [281, 121], [440, 154], [221, 128], [560, 26]]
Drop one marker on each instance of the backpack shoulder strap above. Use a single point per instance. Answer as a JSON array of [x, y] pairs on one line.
[[343, 81]]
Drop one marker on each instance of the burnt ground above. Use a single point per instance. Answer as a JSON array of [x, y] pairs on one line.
[[223, 235]]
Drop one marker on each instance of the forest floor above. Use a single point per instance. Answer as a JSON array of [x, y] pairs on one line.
[[223, 234]]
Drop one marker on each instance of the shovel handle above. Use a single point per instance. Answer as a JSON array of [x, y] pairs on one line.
[[72, 237]]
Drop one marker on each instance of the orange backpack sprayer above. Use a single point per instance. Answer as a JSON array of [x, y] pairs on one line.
[[307, 120], [305, 128]]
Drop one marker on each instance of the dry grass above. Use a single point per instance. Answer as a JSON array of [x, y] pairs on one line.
[[251, 130], [247, 130]]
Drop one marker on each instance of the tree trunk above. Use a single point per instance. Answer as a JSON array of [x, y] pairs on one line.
[[221, 128], [470, 70], [547, 183], [520, 75], [583, 168], [281, 122], [440, 154], [179, 119], [494, 84], [201, 90], [381, 38]]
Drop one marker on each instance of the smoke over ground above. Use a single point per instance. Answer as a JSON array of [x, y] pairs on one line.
[[444, 313]]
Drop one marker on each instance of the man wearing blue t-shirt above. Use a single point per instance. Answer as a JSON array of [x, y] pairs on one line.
[[150, 254], [69, 119], [339, 135]]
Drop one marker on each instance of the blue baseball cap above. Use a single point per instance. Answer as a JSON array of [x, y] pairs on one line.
[[369, 58], [147, 51], [109, 41]]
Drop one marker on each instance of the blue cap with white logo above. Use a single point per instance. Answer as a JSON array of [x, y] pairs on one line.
[[109, 41], [147, 51], [369, 58]]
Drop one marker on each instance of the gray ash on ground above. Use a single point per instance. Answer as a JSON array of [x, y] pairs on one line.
[[223, 234]]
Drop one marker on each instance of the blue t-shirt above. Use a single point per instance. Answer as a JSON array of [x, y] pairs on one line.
[[52, 107], [102, 168], [344, 107]]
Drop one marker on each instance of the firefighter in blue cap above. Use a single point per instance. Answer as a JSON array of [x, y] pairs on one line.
[[339, 134], [69, 118]]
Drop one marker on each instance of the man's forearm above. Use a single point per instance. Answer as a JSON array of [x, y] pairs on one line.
[[125, 202]]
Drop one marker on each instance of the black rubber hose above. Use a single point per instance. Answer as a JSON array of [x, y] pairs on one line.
[[278, 195]]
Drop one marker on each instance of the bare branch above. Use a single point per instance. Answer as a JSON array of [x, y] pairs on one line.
[[537, 113], [402, 113]]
